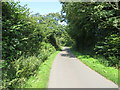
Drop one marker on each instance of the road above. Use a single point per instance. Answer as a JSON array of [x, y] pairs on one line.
[[69, 72]]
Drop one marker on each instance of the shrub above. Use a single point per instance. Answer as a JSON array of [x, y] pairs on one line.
[[110, 49], [46, 50]]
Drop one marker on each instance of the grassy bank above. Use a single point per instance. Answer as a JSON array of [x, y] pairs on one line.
[[110, 73], [40, 80]]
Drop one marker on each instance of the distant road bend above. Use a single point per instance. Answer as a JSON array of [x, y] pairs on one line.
[[69, 72]]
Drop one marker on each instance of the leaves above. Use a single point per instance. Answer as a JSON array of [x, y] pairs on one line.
[[94, 27], [28, 40]]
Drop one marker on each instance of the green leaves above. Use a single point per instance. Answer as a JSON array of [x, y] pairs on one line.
[[18, 29], [94, 27], [110, 49], [35, 37]]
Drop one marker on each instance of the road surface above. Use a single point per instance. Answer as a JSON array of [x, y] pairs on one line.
[[69, 72]]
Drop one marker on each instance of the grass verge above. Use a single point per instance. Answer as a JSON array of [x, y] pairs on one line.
[[110, 73], [40, 80]]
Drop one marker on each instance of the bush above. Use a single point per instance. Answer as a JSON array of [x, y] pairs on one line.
[[19, 32], [110, 49], [26, 43], [16, 73], [27, 67], [20, 71], [46, 50]]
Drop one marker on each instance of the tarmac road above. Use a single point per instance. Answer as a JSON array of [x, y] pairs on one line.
[[69, 72]]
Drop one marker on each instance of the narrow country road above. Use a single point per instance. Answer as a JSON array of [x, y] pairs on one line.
[[69, 72]]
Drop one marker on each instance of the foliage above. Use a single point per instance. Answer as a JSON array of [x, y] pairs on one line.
[[110, 49], [94, 26], [46, 50], [40, 80], [55, 32], [23, 69], [28, 40], [18, 29], [19, 38]]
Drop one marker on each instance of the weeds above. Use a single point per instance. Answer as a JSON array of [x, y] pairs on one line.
[[40, 80]]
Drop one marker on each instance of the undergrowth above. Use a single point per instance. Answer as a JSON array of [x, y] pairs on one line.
[[110, 73], [40, 80]]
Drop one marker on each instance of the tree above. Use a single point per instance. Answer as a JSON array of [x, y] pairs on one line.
[[92, 25]]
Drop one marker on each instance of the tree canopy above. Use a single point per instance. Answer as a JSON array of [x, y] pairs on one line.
[[94, 27], [27, 40]]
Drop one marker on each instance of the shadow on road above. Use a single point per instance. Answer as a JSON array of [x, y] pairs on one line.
[[68, 54]]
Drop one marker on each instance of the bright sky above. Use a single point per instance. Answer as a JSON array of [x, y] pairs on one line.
[[43, 7]]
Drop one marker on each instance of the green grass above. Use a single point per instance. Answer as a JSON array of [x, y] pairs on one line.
[[40, 80], [110, 73]]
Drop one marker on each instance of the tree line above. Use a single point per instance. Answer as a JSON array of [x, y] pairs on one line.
[[95, 28], [27, 41]]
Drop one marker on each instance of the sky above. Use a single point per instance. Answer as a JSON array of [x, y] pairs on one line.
[[42, 7]]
